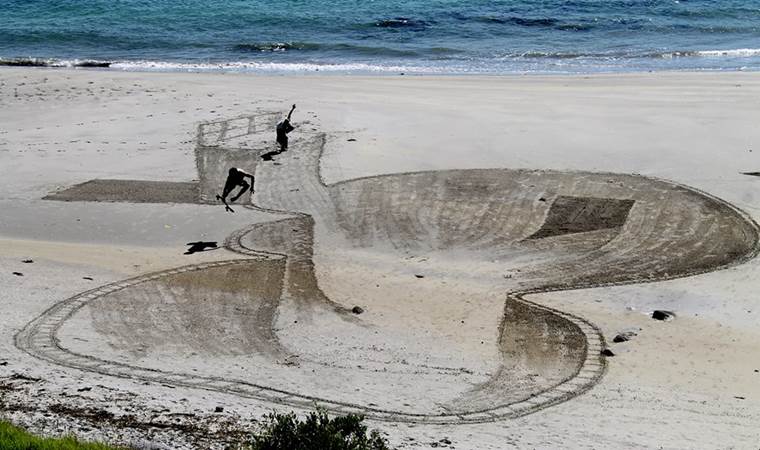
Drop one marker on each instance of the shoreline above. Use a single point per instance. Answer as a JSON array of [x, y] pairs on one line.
[[336, 69], [392, 75]]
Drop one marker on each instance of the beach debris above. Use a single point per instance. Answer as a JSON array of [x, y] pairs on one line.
[[5, 363], [18, 274], [85, 389], [351, 140], [218, 409], [419, 276], [27, 261], [659, 314], [607, 352], [542, 199], [739, 397], [22, 377], [357, 310], [87, 278], [290, 360]]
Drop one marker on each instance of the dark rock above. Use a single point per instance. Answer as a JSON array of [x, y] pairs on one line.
[[357, 310], [624, 336], [419, 276], [18, 274], [84, 389], [541, 199], [218, 409], [445, 441], [87, 278], [351, 140], [607, 352], [662, 315], [5, 363], [27, 261]]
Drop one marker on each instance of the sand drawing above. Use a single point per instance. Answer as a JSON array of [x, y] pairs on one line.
[[448, 267]]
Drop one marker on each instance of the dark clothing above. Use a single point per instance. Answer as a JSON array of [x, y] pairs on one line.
[[283, 128], [282, 139], [235, 178]]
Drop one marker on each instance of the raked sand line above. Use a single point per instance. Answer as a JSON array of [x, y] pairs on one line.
[[646, 248], [38, 339]]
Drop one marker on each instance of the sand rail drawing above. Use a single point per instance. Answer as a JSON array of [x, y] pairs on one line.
[[447, 266]]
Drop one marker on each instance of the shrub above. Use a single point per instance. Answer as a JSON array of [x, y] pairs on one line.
[[316, 431]]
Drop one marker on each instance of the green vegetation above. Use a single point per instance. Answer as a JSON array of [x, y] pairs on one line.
[[278, 432], [14, 438], [316, 431]]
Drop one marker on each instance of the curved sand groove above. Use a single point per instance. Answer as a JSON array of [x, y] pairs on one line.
[[542, 356]]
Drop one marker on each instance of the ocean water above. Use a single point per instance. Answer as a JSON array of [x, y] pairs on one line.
[[384, 36]]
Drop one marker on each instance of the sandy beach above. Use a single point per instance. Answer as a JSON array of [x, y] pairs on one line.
[[498, 232]]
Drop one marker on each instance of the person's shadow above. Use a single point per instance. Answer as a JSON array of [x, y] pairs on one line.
[[269, 155], [200, 246]]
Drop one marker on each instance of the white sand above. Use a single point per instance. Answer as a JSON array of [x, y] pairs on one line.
[[676, 385]]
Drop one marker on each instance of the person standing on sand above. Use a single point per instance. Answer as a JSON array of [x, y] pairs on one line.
[[235, 178], [283, 128]]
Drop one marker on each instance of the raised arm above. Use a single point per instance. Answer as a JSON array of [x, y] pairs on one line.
[[291, 111]]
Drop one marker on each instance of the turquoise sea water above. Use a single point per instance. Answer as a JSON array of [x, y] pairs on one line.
[[386, 36]]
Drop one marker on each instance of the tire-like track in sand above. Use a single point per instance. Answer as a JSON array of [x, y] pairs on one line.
[[39, 337]]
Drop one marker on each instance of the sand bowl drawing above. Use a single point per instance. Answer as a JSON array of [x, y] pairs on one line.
[[441, 261]]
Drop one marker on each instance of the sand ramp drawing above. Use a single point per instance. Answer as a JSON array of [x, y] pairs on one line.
[[440, 261]]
